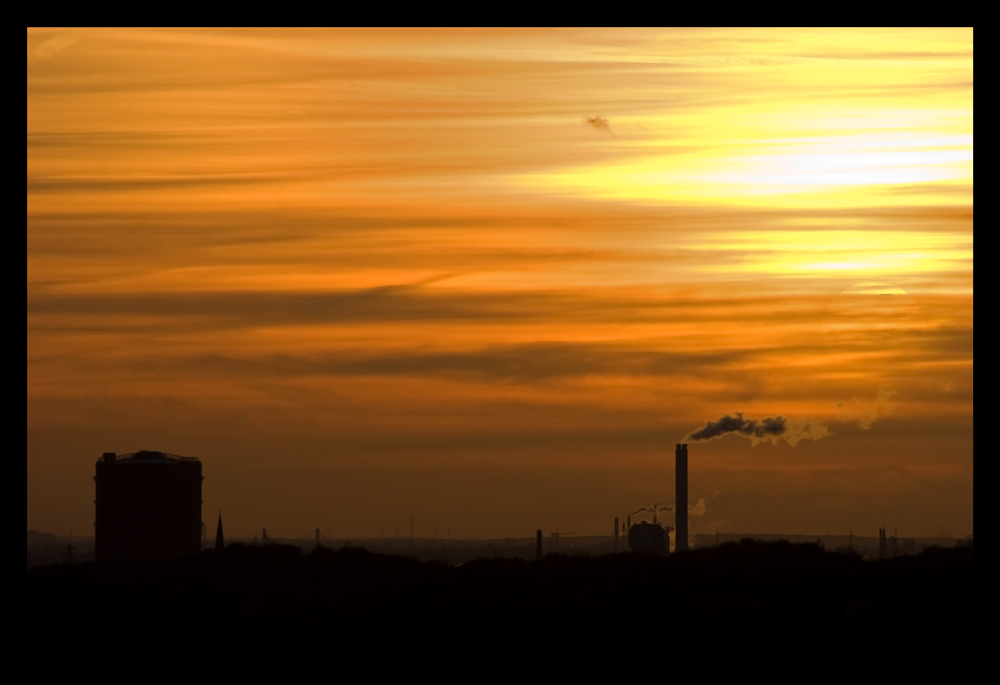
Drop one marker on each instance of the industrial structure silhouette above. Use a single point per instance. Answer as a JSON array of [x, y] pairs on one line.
[[147, 506], [653, 537], [681, 505]]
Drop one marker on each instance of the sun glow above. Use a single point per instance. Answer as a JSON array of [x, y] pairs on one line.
[[833, 172], [802, 251], [819, 155]]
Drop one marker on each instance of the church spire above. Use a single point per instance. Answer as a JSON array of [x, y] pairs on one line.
[[220, 541]]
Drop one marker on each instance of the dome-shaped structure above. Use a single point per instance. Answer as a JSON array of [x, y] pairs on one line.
[[649, 537]]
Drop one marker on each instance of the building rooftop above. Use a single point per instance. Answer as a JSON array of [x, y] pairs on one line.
[[147, 457]]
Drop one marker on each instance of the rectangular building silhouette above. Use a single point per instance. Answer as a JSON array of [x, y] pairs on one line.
[[148, 506]]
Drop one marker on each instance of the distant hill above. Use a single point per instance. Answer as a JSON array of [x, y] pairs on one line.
[[37, 538], [45, 549]]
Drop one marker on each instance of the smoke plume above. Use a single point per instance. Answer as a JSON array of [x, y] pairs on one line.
[[763, 430], [857, 412], [694, 509], [656, 508], [866, 412], [751, 428]]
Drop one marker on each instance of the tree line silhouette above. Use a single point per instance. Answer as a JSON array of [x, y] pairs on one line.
[[737, 595]]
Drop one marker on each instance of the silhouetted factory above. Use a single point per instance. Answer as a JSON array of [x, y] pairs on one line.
[[653, 537], [649, 537], [148, 506]]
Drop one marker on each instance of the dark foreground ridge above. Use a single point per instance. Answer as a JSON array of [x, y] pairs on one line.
[[777, 596]]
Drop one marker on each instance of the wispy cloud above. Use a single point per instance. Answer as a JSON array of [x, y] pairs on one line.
[[53, 46], [514, 246]]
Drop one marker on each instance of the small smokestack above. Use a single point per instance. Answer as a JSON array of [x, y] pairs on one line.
[[538, 544], [681, 483], [616, 534]]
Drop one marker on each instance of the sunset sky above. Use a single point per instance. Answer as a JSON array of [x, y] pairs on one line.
[[490, 278]]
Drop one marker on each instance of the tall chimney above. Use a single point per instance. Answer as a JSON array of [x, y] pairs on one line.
[[681, 481]]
